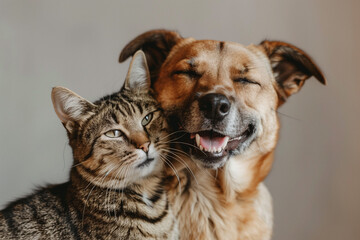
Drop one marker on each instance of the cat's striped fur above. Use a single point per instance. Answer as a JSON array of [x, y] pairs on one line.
[[116, 183]]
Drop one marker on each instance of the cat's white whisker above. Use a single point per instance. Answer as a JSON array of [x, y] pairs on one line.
[[199, 168], [179, 159], [173, 168], [91, 182], [168, 135], [191, 145]]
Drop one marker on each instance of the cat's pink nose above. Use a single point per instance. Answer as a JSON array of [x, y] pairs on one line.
[[145, 146]]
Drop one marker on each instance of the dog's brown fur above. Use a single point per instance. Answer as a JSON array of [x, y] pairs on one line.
[[229, 202]]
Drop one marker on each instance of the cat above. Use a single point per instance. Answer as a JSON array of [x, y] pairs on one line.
[[115, 190]]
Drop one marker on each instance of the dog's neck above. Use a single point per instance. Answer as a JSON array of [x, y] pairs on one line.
[[237, 179], [232, 196], [240, 177]]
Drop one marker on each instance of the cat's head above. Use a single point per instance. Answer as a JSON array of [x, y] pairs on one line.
[[119, 139]]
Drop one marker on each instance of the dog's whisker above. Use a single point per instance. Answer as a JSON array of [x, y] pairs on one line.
[[288, 116]]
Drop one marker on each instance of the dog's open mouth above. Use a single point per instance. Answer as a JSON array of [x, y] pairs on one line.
[[212, 146]]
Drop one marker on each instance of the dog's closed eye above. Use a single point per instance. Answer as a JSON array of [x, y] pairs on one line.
[[246, 81], [189, 73]]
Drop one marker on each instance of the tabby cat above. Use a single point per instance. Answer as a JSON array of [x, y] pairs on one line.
[[115, 189]]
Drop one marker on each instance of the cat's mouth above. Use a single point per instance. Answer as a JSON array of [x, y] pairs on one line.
[[145, 163]]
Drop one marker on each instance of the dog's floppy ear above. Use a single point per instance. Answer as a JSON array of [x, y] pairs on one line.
[[156, 44], [291, 67]]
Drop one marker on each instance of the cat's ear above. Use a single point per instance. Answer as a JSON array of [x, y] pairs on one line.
[[70, 107], [138, 76]]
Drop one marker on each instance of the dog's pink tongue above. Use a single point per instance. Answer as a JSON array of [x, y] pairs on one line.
[[212, 142]]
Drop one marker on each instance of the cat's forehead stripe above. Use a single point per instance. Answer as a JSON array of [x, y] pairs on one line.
[[120, 110], [140, 108], [113, 115], [126, 106]]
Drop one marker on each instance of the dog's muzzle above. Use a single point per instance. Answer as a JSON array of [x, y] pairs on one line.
[[212, 144], [221, 133]]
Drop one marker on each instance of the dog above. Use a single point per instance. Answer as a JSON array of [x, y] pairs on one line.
[[221, 98]]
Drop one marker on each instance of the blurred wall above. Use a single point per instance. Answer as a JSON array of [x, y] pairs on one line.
[[315, 178]]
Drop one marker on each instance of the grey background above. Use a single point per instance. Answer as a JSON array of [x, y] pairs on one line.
[[315, 178]]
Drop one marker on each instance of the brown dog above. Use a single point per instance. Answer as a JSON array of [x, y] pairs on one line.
[[222, 97]]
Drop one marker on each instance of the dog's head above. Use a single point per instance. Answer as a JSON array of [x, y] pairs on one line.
[[222, 94]]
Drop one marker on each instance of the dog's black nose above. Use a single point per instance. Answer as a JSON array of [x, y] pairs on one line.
[[215, 106]]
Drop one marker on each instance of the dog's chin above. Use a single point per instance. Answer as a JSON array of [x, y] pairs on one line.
[[210, 161], [212, 149]]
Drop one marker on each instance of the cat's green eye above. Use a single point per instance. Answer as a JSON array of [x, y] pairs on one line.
[[147, 119], [113, 133]]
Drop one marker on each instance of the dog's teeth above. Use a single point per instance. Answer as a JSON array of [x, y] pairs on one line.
[[238, 138], [225, 142], [210, 149], [197, 137]]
